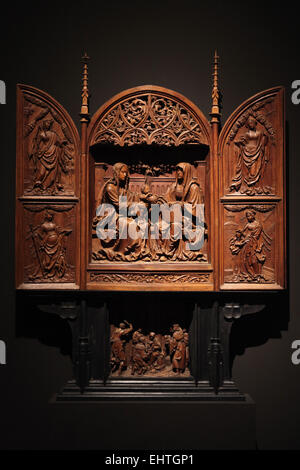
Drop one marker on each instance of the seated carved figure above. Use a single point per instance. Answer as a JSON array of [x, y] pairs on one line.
[[155, 238], [117, 248], [187, 193]]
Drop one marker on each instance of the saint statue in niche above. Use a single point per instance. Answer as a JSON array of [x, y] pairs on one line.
[[50, 156], [250, 244], [185, 193], [49, 249], [252, 159]]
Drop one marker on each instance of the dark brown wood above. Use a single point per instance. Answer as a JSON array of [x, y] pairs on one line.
[[214, 180], [85, 118]]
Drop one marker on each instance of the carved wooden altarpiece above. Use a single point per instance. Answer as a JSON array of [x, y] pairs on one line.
[[150, 317]]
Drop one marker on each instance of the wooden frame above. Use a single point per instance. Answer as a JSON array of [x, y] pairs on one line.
[[244, 189]]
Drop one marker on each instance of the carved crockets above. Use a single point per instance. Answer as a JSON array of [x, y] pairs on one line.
[[157, 238], [136, 353]]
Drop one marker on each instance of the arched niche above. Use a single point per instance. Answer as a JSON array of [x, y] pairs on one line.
[[47, 193], [251, 150], [149, 128]]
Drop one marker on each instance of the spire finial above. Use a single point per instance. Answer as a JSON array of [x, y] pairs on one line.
[[215, 110], [84, 112]]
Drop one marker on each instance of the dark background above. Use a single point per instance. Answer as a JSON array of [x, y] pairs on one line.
[[171, 44]]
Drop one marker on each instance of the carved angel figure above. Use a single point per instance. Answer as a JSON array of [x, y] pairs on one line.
[[250, 244], [251, 161]]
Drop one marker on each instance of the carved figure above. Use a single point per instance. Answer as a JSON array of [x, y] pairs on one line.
[[157, 355], [178, 348], [117, 249], [187, 348], [184, 190], [151, 247], [139, 353], [49, 249], [147, 353], [118, 339], [250, 244], [50, 156], [251, 161], [148, 247]]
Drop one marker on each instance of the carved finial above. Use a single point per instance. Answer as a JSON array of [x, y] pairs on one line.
[[85, 91], [215, 110]]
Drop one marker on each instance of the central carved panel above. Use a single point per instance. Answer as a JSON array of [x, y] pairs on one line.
[[164, 197], [150, 194]]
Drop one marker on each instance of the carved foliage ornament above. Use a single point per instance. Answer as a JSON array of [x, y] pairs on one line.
[[148, 119], [150, 278]]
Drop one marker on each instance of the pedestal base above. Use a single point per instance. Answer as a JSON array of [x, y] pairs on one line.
[[148, 425], [121, 389]]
